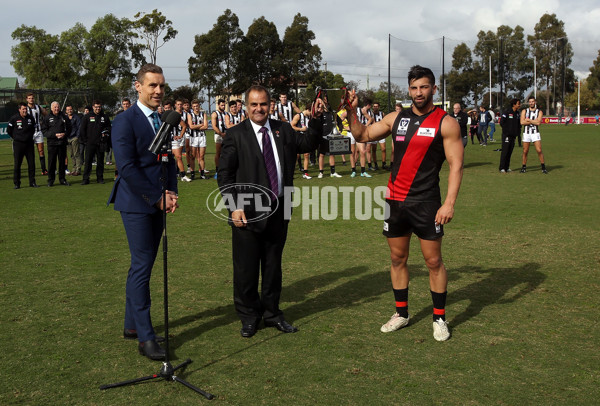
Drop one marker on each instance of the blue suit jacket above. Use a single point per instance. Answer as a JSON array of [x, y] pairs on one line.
[[138, 186]]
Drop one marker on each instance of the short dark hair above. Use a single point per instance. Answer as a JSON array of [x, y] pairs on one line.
[[514, 101], [220, 101], [147, 68], [168, 102], [195, 101], [125, 99], [418, 72], [22, 104], [97, 102], [232, 103], [531, 97], [259, 88]]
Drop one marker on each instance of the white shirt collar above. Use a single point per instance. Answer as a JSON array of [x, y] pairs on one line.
[[145, 109]]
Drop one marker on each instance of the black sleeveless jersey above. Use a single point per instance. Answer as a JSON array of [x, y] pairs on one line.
[[418, 156]]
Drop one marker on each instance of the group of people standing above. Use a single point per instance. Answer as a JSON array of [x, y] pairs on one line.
[[82, 138], [513, 122]]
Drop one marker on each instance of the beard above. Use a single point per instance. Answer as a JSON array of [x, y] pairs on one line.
[[423, 103]]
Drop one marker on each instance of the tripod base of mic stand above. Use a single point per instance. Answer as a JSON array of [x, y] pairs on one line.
[[166, 372]]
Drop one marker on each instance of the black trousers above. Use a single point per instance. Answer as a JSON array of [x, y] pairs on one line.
[[259, 254], [91, 151], [23, 150], [57, 152], [508, 144]]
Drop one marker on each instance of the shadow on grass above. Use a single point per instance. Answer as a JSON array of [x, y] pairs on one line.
[[310, 295], [475, 164], [491, 289]]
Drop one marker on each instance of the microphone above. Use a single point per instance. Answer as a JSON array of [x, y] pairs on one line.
[[170, 119]]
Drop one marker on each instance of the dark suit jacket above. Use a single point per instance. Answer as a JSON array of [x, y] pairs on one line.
[[138, 186], [242, 162]]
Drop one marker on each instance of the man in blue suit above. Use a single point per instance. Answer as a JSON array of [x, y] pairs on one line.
[[137, 194]]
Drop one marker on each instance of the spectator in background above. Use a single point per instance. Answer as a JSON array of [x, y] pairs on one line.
[[56, 126], [511, 128], [483, 118], [21, 128], [462, 118], [73, 140], [95, 130], [492, 125]]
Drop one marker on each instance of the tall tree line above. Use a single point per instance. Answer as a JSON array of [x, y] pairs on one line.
[[512, 59]]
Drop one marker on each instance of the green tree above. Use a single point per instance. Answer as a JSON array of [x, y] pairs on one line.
[[465, 79], [260, 54], [300, 56], [593, 82], [220, 47], [155, 30], [34, 57], [553, 54]]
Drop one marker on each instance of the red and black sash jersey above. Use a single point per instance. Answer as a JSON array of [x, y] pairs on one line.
[[418, 156]]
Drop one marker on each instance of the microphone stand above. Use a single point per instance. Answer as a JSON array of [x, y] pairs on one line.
[[167, 371]]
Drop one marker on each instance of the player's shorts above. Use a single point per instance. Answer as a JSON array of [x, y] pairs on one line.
[[38, 137], [198, 141], [531, 137], [352, 140], [178, 144], [187, 135], [404, 218], [381, 141], [218, 139]]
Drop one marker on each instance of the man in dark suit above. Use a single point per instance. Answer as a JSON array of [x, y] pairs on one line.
[[257, 164], [137, 194]]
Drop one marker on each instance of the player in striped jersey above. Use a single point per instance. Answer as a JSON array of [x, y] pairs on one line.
[[425, 136], [531, 118], [197, 124], [300, 123], [38, 113]]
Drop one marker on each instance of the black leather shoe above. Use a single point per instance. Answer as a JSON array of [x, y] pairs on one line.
[[132, 335], [17, 187], [152, 350], [85, 182], [33, 184], [248, 330], [50, 183], [282, 326], [65, 183], [101, 181]]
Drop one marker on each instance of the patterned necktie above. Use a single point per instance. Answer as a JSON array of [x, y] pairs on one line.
[[270, 162], [155, 121]]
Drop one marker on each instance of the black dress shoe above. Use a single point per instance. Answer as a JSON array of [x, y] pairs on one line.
[[129, 334], [17, 187], [248, 330], [152, 350], [282, 326], [33, 184], [85, 182], [65, 183], [101, 181], [50, 183]]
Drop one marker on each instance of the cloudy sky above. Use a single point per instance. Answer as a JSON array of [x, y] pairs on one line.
[[352, 35]]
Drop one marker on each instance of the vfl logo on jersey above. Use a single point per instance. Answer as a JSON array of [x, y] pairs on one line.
[[426, 132], [403, 126]]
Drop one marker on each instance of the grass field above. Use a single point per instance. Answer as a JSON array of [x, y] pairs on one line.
[[522, 253]]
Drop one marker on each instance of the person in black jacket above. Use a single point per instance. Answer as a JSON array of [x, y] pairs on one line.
[[510, 121], [95, 130], [21, 128], [56, 127], [462, 118]]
